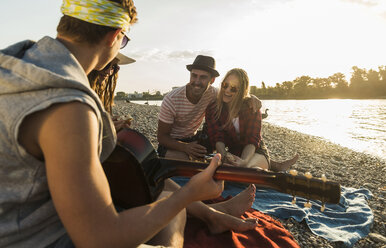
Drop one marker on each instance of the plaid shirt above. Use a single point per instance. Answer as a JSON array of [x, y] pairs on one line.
[[250, 128]]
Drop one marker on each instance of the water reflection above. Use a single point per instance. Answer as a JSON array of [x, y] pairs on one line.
[[357, 124]]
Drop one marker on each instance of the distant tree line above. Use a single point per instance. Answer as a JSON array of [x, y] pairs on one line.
[[120, 95], [363, 84]]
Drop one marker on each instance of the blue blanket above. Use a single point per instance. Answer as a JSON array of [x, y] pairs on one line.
[[346, 222]]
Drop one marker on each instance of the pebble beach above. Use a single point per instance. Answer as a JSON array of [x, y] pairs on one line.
[[316, 155]]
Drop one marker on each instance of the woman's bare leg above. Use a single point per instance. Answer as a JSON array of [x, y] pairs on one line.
[[283, 166], [216, 220], [258, 161]]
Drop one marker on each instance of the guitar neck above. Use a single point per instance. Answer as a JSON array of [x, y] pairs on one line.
[[310, 188], [226, 173]]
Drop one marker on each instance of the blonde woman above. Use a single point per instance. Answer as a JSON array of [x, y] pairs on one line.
[[235, 130]]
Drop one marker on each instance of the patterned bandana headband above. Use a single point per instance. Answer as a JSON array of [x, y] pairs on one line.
[[101, 12]]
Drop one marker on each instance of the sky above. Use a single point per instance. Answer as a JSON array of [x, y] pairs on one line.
[[273, 40]]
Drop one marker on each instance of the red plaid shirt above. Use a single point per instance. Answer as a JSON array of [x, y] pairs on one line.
[[250, 128]]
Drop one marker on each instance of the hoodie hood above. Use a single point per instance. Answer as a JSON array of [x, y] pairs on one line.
[[27, 66]]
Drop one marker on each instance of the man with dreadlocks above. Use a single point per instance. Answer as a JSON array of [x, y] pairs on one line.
[[103, 82], [55, 132]]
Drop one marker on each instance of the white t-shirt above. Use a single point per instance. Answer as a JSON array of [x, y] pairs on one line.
[[236, 124], [185, 116]]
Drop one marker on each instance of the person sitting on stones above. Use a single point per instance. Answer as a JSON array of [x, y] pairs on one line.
[[234, 129]]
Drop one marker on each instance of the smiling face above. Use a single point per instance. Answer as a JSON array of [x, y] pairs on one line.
[[198, 84], [229, 88]]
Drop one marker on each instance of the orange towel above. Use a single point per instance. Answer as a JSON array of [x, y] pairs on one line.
[[268, 233]]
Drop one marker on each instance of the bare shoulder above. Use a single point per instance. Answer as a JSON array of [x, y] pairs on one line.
[[52, 121]]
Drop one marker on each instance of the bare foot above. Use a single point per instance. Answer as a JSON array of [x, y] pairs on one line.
[[236, 206], [220, 222], [283, 166]]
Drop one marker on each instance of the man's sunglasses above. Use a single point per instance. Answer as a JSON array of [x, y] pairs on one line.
[[233, 88], [125, 40]]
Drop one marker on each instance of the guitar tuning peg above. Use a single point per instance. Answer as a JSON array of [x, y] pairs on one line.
[[324, 178], [308, 204], [308, 175], [293, 172], [293, 200], [323, 207]]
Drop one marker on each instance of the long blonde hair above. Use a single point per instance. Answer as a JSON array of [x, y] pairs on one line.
[[235, 105]]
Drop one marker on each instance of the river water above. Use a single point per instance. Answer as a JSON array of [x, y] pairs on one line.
[[357, 124]]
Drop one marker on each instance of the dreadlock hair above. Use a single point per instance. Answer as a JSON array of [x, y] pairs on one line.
[[235, 105], [104, 88], [84, 32]]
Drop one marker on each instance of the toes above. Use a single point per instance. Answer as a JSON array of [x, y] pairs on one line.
[[252, 187], [252, 221]]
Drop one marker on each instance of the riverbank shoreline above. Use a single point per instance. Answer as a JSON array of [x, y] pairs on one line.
[[316, 155]]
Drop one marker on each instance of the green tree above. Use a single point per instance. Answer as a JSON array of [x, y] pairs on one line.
[[321, 87], [263, 85], [288, 87], [340, 85], [374, 83], [146, 95], [301, 86], [121, 95], [358, 82], [382, 74], [253, 90]]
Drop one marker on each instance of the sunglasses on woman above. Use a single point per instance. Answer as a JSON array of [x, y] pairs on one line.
[[113, 68], [125, 40], [233, 89]]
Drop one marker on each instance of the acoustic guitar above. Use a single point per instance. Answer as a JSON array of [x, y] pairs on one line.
[[136, 174]]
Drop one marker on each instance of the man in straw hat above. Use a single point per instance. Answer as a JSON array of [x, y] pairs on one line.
[[55, 132]]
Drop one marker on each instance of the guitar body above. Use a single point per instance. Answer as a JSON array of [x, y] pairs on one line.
[[129, 170], [136, 174]]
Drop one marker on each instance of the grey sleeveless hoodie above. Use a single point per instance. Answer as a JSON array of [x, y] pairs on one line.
[[33, 76]]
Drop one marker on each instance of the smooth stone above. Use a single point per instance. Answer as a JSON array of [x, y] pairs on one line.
[[377, 237]]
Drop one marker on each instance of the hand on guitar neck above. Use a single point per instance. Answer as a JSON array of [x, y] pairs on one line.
[[202, 186]]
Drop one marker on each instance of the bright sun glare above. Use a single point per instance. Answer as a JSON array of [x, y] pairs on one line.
[[302, 37]]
